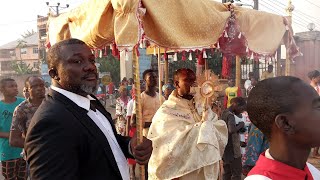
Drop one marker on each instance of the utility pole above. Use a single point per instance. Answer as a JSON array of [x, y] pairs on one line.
[[256, 4], [56, 7], [225, 1]]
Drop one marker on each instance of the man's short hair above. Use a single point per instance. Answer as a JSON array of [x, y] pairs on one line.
[[270, 66], [240, 101], [313, 74], [27, 81], [144, 74], [255, 78], [270, 98], [178, 72], [4, 81], [54, 53]]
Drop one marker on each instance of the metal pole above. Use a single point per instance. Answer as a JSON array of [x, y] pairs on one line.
[[256, 4], [139, 125]]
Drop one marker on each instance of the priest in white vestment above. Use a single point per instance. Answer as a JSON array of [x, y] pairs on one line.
[[187, 143]]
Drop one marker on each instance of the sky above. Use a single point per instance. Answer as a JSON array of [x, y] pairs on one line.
[[19, 16]]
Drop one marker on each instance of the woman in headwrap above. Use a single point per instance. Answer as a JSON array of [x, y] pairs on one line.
[[121, 111], [167, 90]]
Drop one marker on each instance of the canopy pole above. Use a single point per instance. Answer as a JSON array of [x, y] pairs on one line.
[[166, 71], [289, 10], [279, 70], [238, 71], [139, 124], [288, 64], [205, 65], [159, 74]]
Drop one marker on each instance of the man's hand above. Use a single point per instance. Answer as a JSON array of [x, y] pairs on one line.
[[241, 124], [132, 124], [141, 152]]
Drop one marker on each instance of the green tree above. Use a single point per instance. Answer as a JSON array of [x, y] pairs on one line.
[[112, 65], [22, 68], [21, 44], [28, 33]]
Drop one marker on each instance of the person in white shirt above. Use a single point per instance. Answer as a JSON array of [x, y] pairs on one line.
[[72, 136], [247, 83]]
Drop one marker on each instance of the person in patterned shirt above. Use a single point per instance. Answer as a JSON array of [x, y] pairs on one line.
[[24, 112], [314, 77]]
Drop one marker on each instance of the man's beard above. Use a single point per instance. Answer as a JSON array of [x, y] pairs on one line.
[[88, 89], [83, 88]]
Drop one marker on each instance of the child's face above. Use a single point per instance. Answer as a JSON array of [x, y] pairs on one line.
[[238, 109], [317, 80], [305, 120], [167, 92], [10, 88], [231, 83]]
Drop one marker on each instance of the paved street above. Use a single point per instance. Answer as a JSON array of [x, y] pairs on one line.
[[111, 110]]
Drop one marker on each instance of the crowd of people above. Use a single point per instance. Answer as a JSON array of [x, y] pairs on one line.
[[64, 132]]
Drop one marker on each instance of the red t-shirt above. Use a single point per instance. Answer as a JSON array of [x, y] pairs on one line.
[[271, 169], [110, 88]]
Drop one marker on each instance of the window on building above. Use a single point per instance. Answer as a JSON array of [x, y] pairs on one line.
[[23, 50], [6, 66], [35, 50], [36, 65], [3, 53], [13, 53]]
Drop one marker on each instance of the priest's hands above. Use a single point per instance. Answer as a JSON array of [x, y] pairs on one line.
[[141, 152], [207, 114]]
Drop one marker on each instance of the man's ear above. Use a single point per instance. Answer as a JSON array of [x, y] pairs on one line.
[[176, 84], [53, 74], [284, 123]]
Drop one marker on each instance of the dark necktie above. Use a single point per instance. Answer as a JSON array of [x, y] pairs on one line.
[[92, 105]]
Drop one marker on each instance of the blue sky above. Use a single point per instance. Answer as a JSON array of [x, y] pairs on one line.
[[18, 16]]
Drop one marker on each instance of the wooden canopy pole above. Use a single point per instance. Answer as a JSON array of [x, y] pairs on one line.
[[166, 71], [279, 70], [238, 71], [289, 10], [160, 75], [136, 74]]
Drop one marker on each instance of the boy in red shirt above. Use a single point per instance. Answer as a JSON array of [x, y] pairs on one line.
[[287, 111]]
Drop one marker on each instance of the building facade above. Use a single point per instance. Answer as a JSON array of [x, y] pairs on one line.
[[20, 56], [309, 44]]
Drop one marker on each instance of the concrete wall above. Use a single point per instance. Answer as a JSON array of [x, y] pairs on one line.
[[309, 44], [20, 79]]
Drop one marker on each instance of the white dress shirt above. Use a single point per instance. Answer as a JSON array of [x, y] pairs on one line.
[[102, 122], [130, 107]]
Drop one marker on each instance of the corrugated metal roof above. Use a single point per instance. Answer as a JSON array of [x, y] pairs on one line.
[[30, 41]]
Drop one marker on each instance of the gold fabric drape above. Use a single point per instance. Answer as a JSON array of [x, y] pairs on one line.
[[178, 24]]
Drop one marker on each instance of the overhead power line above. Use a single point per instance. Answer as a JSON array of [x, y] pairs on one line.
[[298, 11], [297, 19], [299, 23], [21, 22], [313, 3]]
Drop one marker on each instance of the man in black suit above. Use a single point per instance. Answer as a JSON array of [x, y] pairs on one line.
[[71, 136]]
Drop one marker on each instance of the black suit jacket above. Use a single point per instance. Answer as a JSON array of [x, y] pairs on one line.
[[64, 143]]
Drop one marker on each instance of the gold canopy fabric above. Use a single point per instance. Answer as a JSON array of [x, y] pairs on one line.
[[173, 24]]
